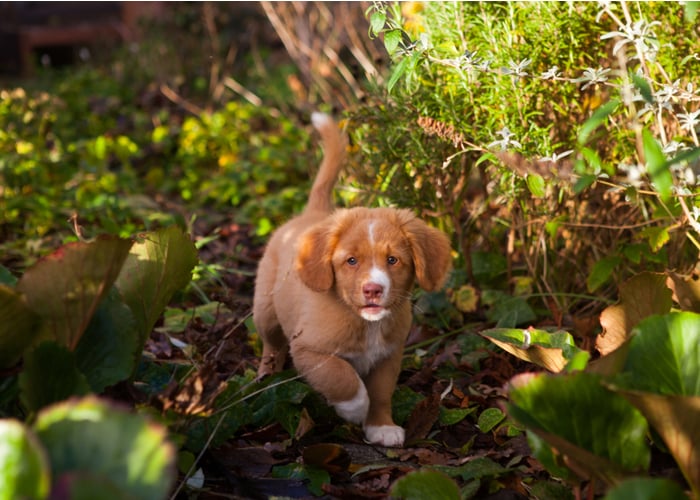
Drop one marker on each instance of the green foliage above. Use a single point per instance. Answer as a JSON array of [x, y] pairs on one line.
[[424, 484], [573, 112], [648, 375], [92, 312], [83, 444]]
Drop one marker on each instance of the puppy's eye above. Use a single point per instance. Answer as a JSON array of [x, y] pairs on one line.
[[391, 260], [352, 261]]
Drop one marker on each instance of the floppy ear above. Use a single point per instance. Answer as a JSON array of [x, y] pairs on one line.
[[313, 263], [431, 252]]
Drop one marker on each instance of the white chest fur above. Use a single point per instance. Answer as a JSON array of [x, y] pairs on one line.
[[376, 349]]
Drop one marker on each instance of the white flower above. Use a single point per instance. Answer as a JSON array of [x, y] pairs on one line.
[[518, 69], [639, 34], [689, 121], [673, 148], [593, 76], [551, 74], [556, 157], [506, 141]]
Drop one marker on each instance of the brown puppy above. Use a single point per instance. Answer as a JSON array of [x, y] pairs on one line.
[[333, 289]]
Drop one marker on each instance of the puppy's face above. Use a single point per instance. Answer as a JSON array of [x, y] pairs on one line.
[[373, 266], [370, 257]]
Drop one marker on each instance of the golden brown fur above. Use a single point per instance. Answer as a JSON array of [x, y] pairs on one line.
[[333, 290]]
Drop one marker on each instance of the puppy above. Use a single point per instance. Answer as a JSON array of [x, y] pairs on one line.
[[333, 289]]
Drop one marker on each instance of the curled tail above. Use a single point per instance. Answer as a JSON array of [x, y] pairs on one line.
[[334, 151]]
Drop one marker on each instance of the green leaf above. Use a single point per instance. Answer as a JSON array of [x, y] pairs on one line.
[[280, 402], [106, 352], [657, 166], [677, 420], [392, 39], [477, 468], [403, 401], [536, 185], [422, 484], [597, 118], [600, 433], [155, 269], [644, 88], [691, 11], [397, 72], [50, 374], [601, 272], [65, 288], [584, 182], [664, 355], [489, 419], [89, 436], [647, 488], [451, 416], [507, 311], [6, 276], [315, 476], [656, 236], [548, 350], [376, 22], [24, 467], [18, 326]]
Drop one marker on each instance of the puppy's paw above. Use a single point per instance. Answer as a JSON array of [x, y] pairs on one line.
[[385, 435], [354, 410]]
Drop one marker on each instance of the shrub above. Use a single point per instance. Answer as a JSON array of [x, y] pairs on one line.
[[561, 133]]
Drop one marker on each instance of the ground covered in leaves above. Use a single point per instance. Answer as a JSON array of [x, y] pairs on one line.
[[449, 399]]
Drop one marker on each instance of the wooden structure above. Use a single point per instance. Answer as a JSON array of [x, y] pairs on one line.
[[28, 28]]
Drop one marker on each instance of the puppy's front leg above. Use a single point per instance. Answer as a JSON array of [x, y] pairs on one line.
[[381, 382], [335, 379]]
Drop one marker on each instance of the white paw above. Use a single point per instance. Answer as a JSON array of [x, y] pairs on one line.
[[385, 435], [354, 410]]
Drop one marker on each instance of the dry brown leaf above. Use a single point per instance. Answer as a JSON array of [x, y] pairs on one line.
[[641, 296]]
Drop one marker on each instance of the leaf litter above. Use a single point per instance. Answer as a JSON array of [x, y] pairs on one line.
[[295, 446]]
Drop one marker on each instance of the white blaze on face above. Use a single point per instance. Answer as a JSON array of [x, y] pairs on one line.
[[377, 276]]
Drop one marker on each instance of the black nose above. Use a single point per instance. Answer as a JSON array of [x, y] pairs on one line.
[[372, 291]]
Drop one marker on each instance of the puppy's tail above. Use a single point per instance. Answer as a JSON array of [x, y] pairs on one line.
[[334, 152]]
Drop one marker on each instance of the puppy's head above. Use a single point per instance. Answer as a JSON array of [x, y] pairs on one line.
[[370, 257]]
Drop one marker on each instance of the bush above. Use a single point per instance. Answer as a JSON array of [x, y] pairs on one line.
[[562, 133]]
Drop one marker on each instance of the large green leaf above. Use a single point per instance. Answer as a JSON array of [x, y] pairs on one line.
[[156, 268], [50, 374], [18, 326], [106, 352], [24, 467], [664, 355], [677, 420], [422, 484], [599, 433], [661, 377], [66, 287], [550, 350], [89, 436], [647, 488]]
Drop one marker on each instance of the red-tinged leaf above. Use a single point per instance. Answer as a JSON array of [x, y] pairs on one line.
[[65, 288], [18, 326], [422, 418]]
